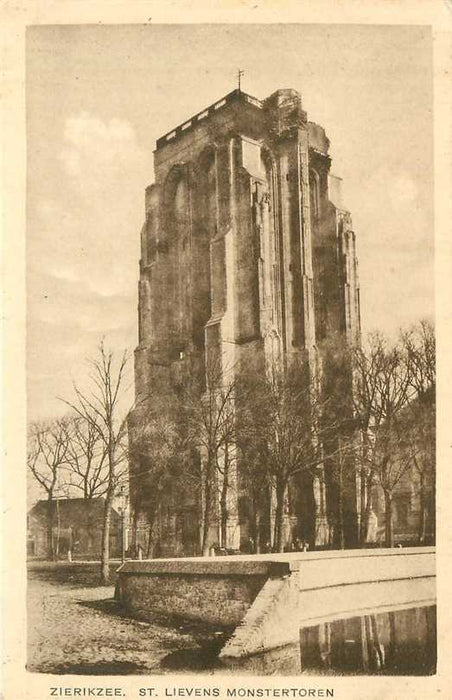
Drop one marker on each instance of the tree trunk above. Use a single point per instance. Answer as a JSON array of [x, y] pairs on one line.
[[422, 513], [50, 547], [366, 515], [224, 503], [279, 516], [363, 506], [149, 548], [257, 539], [57, 544], [431, 510], [153, 515], [252, 522], [340, 523], [105, 554], [223, 522], [389, 532], [207, 511], [135, 527], [365, 493]]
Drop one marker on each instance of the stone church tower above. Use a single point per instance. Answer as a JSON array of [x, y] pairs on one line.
[[245, 247]]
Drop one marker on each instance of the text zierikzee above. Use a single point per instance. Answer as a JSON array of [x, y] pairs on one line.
[[88, 692]]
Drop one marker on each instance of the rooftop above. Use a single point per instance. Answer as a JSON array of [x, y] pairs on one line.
[[235, 95], [69, 505]]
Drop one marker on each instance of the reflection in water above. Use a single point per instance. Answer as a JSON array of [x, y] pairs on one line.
[[401, 642]]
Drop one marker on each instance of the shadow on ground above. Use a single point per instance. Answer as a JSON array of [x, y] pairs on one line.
[[202, 659], [103, 668], [202, 650], [173, 622], [72, 575]]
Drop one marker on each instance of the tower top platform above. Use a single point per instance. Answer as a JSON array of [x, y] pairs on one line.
[[282, 98]]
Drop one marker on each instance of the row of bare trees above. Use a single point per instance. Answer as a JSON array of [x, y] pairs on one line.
[[85, 451], [394, 403], [353, 417], [344, 417]]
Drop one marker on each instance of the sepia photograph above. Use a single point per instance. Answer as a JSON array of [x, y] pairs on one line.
[[230, 350], [231, 422]]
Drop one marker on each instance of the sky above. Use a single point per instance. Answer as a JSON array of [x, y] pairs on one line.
[[98, 97]]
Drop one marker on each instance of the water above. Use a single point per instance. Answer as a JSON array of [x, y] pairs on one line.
[[398, 642]]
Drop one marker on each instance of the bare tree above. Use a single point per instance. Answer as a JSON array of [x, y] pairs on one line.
[[420, 435], [47, 459], [99, 407], [367, 364], [156, 449], [87, 457], [208, 417], [254, 476], [419, 346], [390, 462], [383, 381], [286, 411], [342, 468], [340, 443]]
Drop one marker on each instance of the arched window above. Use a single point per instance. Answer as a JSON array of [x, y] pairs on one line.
[[314, 192], [175, 204], [208, 192], [176, 234], [272, 241], [180, 202], [204, 213]]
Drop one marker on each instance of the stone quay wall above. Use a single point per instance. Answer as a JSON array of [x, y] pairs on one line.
[[265, 599], [216, 591]]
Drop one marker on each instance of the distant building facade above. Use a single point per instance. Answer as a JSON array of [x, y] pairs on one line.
[[77, 526], [411, 504], [247, 248]]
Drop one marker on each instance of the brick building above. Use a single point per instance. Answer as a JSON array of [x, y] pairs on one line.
[[77, 526], [246, 247]]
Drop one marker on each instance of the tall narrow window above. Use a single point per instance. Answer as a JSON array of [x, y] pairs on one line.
[[211, 197], [181, 267], [314, 191], [180, 206]]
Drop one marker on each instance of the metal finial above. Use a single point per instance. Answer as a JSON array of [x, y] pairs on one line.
[[239, 75]]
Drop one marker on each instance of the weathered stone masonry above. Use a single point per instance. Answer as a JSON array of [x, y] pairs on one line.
[[268, 598], [245, 246]]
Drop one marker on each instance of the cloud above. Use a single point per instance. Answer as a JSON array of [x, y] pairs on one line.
[[89, 231], [392, 215], [103, 147], [403, 190], [82, 253]]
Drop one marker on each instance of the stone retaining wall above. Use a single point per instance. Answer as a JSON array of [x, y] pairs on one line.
[[217, 600], [267, 598], [216, 591]]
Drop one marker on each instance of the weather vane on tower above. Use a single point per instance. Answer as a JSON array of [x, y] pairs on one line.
[[239, 75]]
